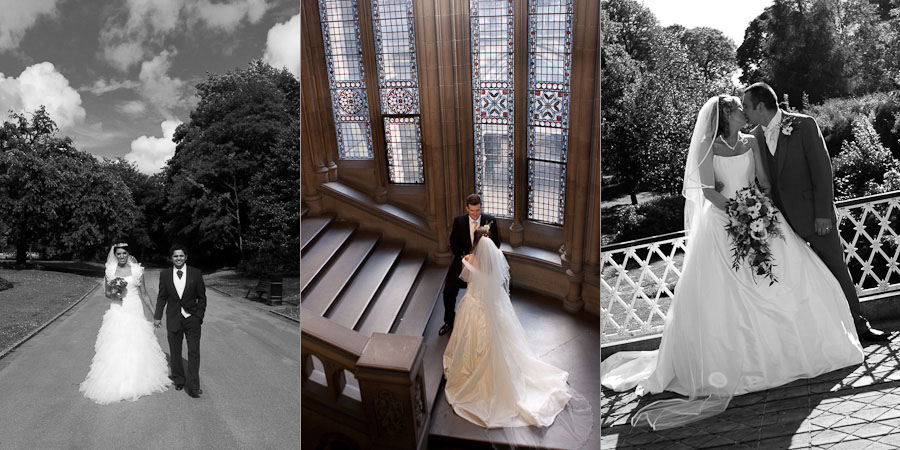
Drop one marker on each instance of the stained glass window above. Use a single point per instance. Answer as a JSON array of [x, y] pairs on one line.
[[398, 83], [549, 68], [492, 98], [346, 77]]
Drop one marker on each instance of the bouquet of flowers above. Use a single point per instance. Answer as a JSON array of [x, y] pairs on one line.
[[117, 285], [752, 225]]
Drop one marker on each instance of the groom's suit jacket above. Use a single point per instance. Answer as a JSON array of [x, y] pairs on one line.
[[461, 244], [193, 298], [800, 172]]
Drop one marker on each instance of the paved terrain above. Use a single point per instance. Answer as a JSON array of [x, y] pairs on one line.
[[249, 373]]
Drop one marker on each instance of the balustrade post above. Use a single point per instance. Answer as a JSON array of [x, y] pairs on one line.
[[391, 383]]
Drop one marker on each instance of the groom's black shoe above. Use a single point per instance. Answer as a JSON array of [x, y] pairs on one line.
[[445, 329], [875, 335], [179, 387], [195, 394]]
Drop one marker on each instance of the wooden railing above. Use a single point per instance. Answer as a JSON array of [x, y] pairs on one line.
[[638, 278], [361, 392]]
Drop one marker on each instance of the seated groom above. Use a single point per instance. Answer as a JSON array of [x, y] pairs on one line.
[[462, 234]]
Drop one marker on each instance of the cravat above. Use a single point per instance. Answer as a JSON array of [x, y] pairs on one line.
[[180, 273]]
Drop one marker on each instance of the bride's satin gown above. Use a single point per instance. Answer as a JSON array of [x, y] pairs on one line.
[[128, 361], [727, 334]]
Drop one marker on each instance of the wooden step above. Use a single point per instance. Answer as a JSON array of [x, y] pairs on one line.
[[340, 271], [356, 299], [311, 228], [393, 295], [434, 353], [329, 243], [417, 311]]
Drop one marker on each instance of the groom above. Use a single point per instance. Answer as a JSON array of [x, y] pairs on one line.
[[182, 288], [462, 234], [799, 169]]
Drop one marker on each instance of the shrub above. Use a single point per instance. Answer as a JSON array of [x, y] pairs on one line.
[[864, 166], [835, 117], [658, 216]]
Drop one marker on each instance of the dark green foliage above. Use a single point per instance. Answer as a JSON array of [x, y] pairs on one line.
[[865, 166], [658, 216], [54, 196], [234, 181]]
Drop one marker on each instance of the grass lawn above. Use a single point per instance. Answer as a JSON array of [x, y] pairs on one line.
[[237, 284], [36, 297]]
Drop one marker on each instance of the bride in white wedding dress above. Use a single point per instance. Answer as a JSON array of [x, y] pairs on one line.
[[493, 377], [726, 333], [128, 361]]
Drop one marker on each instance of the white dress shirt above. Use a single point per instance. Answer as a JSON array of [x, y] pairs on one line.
[[772, 130], [179, 285], [473, 224]]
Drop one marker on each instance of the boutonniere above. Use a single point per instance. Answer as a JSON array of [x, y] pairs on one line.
[[787, 125], [489, 223]]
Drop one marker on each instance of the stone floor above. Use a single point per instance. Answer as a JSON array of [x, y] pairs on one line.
[[853, 408]]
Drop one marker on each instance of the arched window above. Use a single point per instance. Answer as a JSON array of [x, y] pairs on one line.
[[549, 75], [492, 98], [346, 78]]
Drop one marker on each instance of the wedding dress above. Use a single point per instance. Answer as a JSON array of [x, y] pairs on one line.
[[493, 377], [128, 361], [728, 333]]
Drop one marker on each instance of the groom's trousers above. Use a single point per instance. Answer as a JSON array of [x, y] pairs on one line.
[[830, 251], [190, 329]]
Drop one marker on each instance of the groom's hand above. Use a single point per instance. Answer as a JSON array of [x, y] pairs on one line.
[[823, 226], [157, 323]]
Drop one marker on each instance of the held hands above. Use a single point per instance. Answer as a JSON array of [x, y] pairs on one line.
[[823, 226], [157, 323]]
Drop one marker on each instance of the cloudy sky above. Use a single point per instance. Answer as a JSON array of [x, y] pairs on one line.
[[729, 16], [118, 76]]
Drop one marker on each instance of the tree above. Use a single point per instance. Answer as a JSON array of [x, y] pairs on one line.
[[865, 166], [53, 195], [794, 46], [710, 50], [235, 132]]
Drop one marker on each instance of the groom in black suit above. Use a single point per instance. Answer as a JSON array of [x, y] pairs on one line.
[[182, 288], [461, 237]]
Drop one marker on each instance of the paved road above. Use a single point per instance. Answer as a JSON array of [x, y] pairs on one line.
[[249, 373]]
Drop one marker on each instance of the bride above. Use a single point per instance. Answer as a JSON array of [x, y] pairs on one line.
[[493, 377], [128, 362], [726, 333]]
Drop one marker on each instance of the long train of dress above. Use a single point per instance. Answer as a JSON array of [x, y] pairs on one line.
[[728, 333]]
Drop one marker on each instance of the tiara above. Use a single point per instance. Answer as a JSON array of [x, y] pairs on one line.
[[121, 244]]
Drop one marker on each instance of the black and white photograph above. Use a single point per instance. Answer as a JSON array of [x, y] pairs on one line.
[[149, 224], [749, 247]]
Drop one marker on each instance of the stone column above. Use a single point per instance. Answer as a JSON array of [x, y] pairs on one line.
[[319, 138], [592, 264], [520, 102], [581, 114], [391, 382], [431, 114]]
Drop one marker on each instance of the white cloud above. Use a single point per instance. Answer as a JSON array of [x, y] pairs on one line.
[[158, 88], [102, 86], [132, 108], [18, 16], [144, 25], [227, 16], [38, 85], [150, 153], [283, 46]]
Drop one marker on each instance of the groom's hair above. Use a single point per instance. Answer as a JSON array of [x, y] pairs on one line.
[[177, 246], [473, 199], [762, 93]]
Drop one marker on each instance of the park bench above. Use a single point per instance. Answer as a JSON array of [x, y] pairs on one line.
[[269, 286]]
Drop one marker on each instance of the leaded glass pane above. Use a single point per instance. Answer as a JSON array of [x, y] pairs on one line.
[[346, 78], [492, 97], [549, 61], [398, 83]]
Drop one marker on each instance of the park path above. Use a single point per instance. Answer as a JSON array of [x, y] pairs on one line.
[[249, 373]]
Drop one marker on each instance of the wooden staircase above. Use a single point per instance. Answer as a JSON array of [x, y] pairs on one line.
[[361, 282]]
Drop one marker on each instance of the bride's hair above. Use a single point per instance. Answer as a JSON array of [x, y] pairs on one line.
[[726, 107], [479, 233]]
